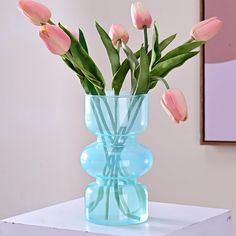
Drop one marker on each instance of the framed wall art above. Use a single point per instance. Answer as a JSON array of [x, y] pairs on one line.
[[218, 77]]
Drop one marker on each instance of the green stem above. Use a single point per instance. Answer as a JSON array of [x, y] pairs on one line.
[[103, 118], [145, 38], [108, 192], [108, 200], [113, 161], [135, 116], [109, 113], [164, 82], [100, 130], [116, 113], [118, 189]]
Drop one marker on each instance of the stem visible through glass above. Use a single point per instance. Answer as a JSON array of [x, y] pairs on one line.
[[112, 167]]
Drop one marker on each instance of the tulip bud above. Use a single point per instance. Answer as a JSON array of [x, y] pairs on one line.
[[140, 16], [37, 13], [174, 104], [56, 40], [118, 34], [207, 29]]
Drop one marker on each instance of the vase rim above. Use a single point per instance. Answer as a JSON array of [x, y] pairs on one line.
[[123, 94]]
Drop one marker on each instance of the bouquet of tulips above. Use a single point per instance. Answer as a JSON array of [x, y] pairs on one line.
[[147, 66], [116, 163]]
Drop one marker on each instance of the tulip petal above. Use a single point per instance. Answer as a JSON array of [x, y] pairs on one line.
[[168, 111], [118, 33], [56, 40], [140, 16], [36, 12], [207, 29], [174, 104]]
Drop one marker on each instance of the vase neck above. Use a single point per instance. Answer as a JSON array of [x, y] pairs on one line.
[[108, 114], [116, 140]]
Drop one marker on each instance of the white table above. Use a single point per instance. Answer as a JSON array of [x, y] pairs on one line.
[[67, 219]]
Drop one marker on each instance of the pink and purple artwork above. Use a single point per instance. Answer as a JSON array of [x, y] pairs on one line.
[[219, 75]]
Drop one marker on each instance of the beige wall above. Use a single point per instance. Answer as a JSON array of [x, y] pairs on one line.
[[42, 127]]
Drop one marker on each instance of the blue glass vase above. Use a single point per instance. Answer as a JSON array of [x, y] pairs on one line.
[[116, 160]]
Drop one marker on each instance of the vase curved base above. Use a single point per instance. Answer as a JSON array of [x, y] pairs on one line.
[[117, 223], [116, 202]]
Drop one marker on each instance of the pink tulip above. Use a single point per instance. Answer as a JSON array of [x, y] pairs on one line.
[[140, 16], [207, 29], [174, 104], [118, 34], [37, 13], [56, 40]]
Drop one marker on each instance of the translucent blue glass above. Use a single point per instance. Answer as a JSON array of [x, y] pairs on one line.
[[116, 160]]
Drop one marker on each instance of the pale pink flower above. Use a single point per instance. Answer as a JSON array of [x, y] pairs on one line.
[[36, 12], [173, 102], [118, 34], [56, 40], [140, 16], [207, 29]]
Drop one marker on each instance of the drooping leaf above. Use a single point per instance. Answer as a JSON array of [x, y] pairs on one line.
[[155, 80], [84, 63], [163, 68], [98, 84], [87, 85], [143, 78], [185, 48], [133, 63], [69, 64], [166, 42], [112, 52], [119, 77], [82, 40], [156, 53], [130, 55]]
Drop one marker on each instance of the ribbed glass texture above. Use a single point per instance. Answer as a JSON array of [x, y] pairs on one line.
[[116, 160]]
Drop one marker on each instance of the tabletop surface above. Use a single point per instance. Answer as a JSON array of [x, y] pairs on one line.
[[164, 218]]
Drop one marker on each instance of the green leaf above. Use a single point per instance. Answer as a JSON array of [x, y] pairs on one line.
[[163, 68], [84, 63], [143, 79], [156, 53], [165, 43], [133, 64], [82, 40], [92, 79], [130, 55], [119, 77], [185, 48], [69, 64], [87, 86], [112, 52]]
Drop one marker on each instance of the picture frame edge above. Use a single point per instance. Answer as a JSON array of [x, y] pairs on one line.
[[203, 140]]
